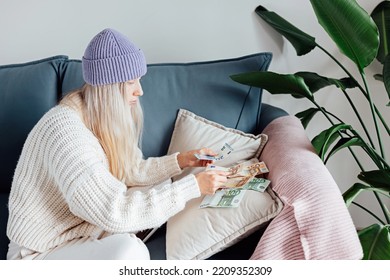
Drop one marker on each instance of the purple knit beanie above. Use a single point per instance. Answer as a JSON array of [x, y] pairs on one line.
[[111, 58]]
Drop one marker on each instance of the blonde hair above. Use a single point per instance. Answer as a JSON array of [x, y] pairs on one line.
[[116, 124]]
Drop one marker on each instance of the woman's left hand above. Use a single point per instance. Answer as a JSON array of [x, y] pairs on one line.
[[188, 159]]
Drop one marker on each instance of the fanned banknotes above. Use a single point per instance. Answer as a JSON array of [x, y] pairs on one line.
[[242, 177]]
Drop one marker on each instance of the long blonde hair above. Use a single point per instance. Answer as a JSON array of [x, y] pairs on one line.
[[116, 124]]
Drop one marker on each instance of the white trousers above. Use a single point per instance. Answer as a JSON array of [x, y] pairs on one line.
[[124, 246]]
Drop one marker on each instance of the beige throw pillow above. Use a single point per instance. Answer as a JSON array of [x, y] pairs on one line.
[[196, 233], [193, 132]]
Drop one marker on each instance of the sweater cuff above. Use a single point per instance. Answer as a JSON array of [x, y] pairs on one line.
[[190, 187], [173, 164]]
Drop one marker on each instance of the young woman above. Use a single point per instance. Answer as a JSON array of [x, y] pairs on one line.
[[82, 189]]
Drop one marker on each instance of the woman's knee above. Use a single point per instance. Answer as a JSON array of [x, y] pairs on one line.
[[127, 247]]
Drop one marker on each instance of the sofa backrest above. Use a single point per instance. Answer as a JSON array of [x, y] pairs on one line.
[[205, 88], [27, 91]]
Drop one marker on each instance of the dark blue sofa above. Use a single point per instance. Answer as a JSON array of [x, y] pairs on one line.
[[30, 89]]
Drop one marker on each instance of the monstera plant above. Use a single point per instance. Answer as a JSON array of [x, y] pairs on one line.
[[362, 37]]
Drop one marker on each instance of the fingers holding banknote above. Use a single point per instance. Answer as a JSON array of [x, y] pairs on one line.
[[210, 181], [192, 158]]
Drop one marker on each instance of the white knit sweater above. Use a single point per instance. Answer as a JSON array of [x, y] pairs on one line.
[[62, 188]]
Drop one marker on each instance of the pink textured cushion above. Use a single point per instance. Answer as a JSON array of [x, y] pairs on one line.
[[315, 223]]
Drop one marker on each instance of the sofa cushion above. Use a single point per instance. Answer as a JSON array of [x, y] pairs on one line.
[[193, 132], [71, 76], [27, 91], [196, 233]]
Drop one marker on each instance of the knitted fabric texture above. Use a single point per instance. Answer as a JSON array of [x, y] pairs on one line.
[[315, 223], [111, 58], [62, 187]]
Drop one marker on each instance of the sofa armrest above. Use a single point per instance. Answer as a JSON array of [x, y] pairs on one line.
[[315, 222], [268, 114]]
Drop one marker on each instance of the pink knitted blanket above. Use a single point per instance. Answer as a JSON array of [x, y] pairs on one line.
[[314, 223]]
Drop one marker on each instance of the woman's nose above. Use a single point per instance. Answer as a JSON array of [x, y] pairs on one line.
[[138, 91]]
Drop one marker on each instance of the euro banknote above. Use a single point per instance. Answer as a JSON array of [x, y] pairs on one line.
[[223, 198], [224, 152]]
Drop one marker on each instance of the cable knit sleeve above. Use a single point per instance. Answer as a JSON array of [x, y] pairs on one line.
[[153, 170], [77, 163]]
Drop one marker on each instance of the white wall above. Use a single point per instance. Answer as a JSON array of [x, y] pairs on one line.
[[182, 31]]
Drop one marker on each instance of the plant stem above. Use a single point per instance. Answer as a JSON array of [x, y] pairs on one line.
[[371, 213], [382, 205], [382, 120], [359, 118], [368, 96], [359, 86], [337, 118], [373, 108], [373, 114], [330, 120], [379, 161], [333, 115]]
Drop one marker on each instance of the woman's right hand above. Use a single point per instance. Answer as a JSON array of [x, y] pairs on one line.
[[210, 181]]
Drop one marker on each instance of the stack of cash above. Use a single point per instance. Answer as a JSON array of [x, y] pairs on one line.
[[241, 178]]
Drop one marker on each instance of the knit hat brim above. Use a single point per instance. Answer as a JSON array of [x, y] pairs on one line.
[[114, 69]]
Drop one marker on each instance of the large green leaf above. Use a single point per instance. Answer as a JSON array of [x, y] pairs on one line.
[[350, 27], [275, 83], [375, 241], [377, 178], [376, 158], [316, 82], [386, 75], [346, 143], [354, 191], [307, 115], [381, 17], [302, 42], [324, 140], [356, 140]]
